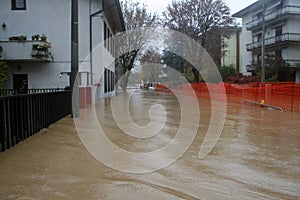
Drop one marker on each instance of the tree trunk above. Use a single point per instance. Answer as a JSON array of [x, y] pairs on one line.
[[125, 80], [196, 74]]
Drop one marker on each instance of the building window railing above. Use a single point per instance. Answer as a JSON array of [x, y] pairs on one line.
[[292, 63], [252, 67], [276, 39], [284, 11], [255, 65]]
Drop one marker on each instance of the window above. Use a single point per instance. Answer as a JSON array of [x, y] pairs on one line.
[[105, 35], [278, 53], [18, 4], [278, 31], [109, 80], [108, 40], [258, 37]]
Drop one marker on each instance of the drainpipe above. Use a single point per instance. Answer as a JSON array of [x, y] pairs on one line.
[[91, 39], [263, 67], [237, 50], [74, 58]]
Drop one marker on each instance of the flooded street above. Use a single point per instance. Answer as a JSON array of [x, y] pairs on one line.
[[256, 157]]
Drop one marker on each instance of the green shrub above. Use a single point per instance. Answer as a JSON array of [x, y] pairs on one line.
[[4, 73], [227, 71]]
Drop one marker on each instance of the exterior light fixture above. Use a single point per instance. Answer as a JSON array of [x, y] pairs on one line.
[[4, 26]]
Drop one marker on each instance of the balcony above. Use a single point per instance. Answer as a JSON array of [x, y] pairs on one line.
[[25, 51], [276, 40], [288, 10]]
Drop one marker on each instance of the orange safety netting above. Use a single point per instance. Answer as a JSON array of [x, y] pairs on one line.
[[282, 94]]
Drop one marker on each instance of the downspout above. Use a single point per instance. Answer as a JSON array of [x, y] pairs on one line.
[[237, 51], [74, 59], [91, 39], [91, 34]]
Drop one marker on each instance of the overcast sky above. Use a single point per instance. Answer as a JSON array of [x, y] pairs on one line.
[[234, 5]]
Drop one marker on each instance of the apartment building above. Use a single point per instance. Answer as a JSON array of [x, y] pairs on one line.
[[278, 20], [232, 48], [35, 40]]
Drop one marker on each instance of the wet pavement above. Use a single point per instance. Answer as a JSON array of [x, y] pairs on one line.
[[256, 157]]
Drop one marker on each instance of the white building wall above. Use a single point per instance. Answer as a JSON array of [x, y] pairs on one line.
[[291, 2], [40, 18], [292, 25], [53, 18], [292, 53], [246, 39]]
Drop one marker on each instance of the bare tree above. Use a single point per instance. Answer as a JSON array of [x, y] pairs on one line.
[[128, 46], [198, 19]]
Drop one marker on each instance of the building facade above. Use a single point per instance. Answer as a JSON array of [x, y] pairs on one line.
[[35, 39], [277, 21], [232, 49]]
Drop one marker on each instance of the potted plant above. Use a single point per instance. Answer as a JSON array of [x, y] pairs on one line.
[[35, 37], [22, 38], [40, 51], [1, 49], [44, 38]]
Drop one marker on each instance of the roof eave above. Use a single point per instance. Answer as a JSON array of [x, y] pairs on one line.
[[114, 15], [246, 10]]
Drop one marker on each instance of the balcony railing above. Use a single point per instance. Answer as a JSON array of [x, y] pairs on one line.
[[293, 63], [33, 51], [268, 17], [251, 67], [291, 37], [288, 63]]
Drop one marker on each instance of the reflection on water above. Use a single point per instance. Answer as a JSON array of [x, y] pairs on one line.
[[256, 157]]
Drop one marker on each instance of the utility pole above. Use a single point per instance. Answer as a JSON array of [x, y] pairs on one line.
[[74, 58], [263, 67]]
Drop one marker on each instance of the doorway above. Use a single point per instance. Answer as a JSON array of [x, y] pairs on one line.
[[20, 82]]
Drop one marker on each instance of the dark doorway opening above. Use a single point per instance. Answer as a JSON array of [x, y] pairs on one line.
[[20, 82]]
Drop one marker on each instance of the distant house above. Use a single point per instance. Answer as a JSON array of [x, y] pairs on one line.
[[44, 61], [232, 48], [282, 33]]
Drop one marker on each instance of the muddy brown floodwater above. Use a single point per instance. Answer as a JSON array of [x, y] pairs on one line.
[[256, 157]]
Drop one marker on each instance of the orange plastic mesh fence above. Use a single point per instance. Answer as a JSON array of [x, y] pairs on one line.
[[282, 94]]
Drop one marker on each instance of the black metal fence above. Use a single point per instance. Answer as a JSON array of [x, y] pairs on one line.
[[10, 92], [23, 115]]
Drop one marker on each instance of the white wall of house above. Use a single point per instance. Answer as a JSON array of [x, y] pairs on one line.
[[230, 57], [292, 25], [292, 53], [53, 18], [246, 37], [41, 17], [291, 2]]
